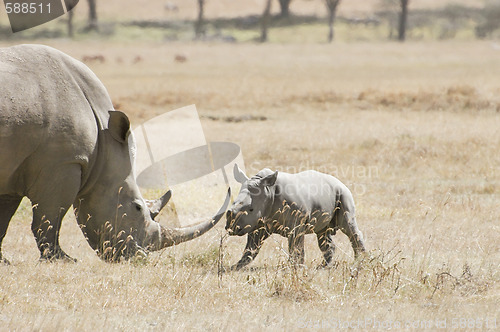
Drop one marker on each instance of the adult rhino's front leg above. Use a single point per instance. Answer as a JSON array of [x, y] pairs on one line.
[[51, 198], [8, 206], [254, 243]]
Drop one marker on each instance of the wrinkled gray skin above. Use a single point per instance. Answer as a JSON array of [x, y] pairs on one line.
[[292, 205], [63, 144]]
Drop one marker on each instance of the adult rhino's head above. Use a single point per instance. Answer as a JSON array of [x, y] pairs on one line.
[[114, 217], [253, 203]]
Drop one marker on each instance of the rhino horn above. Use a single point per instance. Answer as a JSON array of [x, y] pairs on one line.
[[156, 205], [173, 236]]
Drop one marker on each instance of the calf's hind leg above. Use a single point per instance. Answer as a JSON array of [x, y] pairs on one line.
[[355, 236], [8, 206], [346, 220], [327, 246]]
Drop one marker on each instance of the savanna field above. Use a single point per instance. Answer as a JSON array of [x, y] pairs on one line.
[[412, 129]]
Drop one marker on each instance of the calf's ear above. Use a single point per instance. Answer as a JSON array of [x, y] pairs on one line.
[[239, 175], [118, 125], [269, 180]]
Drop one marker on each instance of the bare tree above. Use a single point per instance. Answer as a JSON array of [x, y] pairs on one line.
[[266, 18], [70, 24], [285, 7], [198, 26], [70, 4], [403, 18], [491, 19], [92, 16], [332, 10]]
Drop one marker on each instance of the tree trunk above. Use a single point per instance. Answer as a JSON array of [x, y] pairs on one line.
[[92, 16], [285, 8], [266, 18], [403, 18], [332, 10], [198, 27], [70, 24], [70, 5]]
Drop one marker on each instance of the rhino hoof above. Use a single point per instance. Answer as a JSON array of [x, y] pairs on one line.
[[69, 259], [224, 269], [59, 256], [324, 266], [140, 257], [237, 267]]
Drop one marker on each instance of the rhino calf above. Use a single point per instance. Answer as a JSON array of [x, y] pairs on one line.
[[292, 205]]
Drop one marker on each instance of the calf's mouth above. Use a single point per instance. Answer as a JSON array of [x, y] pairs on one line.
[[232, 226]]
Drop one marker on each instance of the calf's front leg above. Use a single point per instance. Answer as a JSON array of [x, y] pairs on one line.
[[296, 248], [254, 243]]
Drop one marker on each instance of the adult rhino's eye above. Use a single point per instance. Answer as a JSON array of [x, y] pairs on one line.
[[138, 207], [250, 209]]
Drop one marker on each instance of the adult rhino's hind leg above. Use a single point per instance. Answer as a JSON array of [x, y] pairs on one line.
[[327, 246], [8, 206], [50, 201]]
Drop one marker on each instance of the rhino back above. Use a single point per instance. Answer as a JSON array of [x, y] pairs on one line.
[[310, 190], [46, 118]]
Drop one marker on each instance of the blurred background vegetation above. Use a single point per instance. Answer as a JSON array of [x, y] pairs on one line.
[[281, 21]]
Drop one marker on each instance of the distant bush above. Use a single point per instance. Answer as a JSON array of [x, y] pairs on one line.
[[491, 19]]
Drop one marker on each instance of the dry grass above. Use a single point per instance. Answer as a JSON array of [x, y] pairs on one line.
[[412, 129]]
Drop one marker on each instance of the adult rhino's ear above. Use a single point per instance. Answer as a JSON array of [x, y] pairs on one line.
[[269, 180], [118, 125], [239, 175]]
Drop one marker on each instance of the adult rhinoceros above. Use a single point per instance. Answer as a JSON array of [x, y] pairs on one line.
[[292, 205], [63, 144]]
